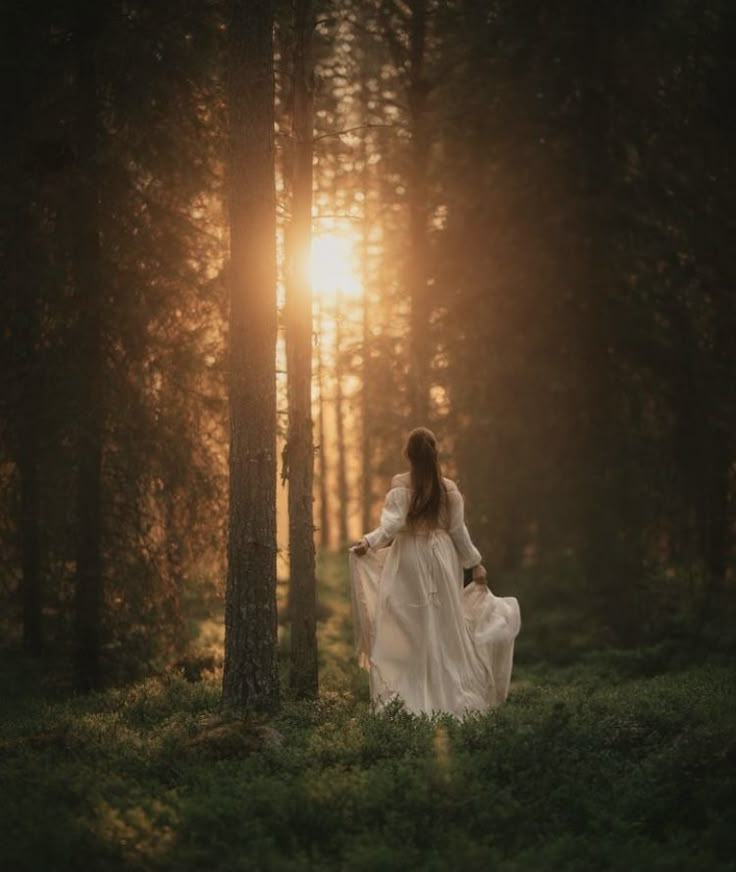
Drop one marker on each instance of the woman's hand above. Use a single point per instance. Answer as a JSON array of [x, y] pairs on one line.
[[480, 576], [359, 548]]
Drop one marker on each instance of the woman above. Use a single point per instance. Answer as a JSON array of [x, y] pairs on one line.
[[421, 636]]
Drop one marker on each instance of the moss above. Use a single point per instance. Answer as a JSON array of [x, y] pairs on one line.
[[621, 761]]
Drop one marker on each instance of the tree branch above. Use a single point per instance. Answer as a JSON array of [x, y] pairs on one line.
[[352, 130]]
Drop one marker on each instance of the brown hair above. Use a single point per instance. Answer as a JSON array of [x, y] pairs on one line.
[[427, 488]]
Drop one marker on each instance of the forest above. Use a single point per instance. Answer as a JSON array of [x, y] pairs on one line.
[[247, 245]]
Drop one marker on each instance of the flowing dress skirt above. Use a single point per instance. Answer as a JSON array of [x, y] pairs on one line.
[[424, 638]]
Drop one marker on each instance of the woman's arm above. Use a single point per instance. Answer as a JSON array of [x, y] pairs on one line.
[[393, 518], [469, 554]]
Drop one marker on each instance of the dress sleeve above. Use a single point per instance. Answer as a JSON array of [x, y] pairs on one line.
[[469, 554], [393, 518]]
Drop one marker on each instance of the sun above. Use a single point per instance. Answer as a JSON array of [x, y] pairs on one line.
[[332, 266]]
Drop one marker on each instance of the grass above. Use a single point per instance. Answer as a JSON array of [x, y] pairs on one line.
[[619, 762]]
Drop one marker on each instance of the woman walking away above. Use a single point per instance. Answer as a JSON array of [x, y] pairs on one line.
[[422, 637]]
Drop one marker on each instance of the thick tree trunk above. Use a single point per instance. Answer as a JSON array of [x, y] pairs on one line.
[[29, 523], [251, 668], [716, 431], [420, 354], [29, 442], [32, 593], [19, 252], [88, 269], [714, 515], [174, 573], [715, 426], [703, 454], [342, 478], [723, 496], [611, 548], [300, 442]]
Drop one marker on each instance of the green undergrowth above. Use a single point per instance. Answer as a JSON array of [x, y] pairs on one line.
[[620, 762]]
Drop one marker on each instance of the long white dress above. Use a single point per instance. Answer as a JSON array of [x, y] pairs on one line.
[[422, 637]]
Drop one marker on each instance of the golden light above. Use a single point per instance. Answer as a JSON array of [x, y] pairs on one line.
[[333, 266]]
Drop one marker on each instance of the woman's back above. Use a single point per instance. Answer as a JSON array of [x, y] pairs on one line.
[[448, 504]]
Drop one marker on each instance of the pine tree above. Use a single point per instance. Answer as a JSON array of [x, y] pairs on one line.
[[251, 672], [90, 284], [299, 318]]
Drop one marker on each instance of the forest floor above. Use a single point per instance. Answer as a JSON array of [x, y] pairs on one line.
[[622, 761]]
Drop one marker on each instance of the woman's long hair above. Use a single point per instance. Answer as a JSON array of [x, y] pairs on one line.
[[428, 495]]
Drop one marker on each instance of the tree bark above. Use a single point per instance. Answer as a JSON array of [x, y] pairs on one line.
[[714, 514], [28, 447], [419, 352], [29, 518], [611, 547], [342, 481], [22, 329], [251, 668], [366, 376], [88, 269], [324, 509], [300, 442]]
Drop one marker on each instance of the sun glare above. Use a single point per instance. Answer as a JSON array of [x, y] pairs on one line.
[[332, 266]]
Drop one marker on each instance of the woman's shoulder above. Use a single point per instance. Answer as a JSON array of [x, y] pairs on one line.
[[450, 485], [403, 479]]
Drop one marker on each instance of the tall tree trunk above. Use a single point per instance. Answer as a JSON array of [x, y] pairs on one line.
[[720, 552], [715, 428], [300, 442], [29, 434], [174, 572], [611, 548], [251, 668], [19, 255], [88, 270], [342, 479], [703, 451], [29, 518], [714, 514], [365, 394], [324, 509], [420, 354]]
